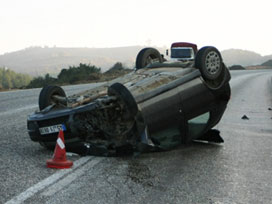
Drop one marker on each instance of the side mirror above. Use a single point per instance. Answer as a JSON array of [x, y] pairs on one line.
[[167, 52]]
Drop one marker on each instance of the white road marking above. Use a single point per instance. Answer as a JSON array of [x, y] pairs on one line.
[[64, 182], [61, 175]]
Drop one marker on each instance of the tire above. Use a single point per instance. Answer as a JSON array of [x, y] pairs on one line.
[[148, 56], [209, 62], [45, 98], [125, 97]]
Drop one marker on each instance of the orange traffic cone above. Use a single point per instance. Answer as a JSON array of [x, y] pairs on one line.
[[59, 158]]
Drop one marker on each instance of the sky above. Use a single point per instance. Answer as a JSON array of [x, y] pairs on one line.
[[225, 24]]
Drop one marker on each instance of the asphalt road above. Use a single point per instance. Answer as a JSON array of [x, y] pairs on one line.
[[238, 171]]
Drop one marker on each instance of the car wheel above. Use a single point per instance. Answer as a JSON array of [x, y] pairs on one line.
[[209, 61], [124, 95], [46, 99], [148, 56]]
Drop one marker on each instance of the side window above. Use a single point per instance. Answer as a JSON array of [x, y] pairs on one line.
[[198, 124]]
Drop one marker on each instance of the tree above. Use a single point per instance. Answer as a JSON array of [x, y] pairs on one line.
[[81, 73], [10, 79], [117, 70], [38, 82], [6, 80], [118, 66], [1, 76]]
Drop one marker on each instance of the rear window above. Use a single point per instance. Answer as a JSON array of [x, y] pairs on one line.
[[181, 53]]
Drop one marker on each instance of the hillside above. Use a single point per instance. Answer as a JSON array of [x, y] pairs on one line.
[[39, 61], [267, 63], [243, 57]]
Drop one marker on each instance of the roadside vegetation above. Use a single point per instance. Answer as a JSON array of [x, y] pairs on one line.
[[11, 80], [81, 74], [73, 75], [237, 67], [267, 63]]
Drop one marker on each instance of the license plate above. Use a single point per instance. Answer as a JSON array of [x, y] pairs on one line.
[[52, 129]]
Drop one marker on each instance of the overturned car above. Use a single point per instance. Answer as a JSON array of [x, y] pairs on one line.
[[156, 107]]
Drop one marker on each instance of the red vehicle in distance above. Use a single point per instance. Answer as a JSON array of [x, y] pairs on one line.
[[182, 51]]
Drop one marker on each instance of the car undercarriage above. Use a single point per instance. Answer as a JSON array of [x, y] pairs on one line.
[[154, 106]]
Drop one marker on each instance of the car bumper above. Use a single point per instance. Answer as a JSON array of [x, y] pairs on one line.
[[53, 117]]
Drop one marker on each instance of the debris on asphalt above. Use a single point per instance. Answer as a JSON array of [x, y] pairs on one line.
[[212, 135], [245, 117], [270, 109]]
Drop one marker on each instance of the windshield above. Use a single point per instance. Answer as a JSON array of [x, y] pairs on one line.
[[181, 53]]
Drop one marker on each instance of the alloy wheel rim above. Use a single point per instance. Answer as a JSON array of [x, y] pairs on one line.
[[212, 62]]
